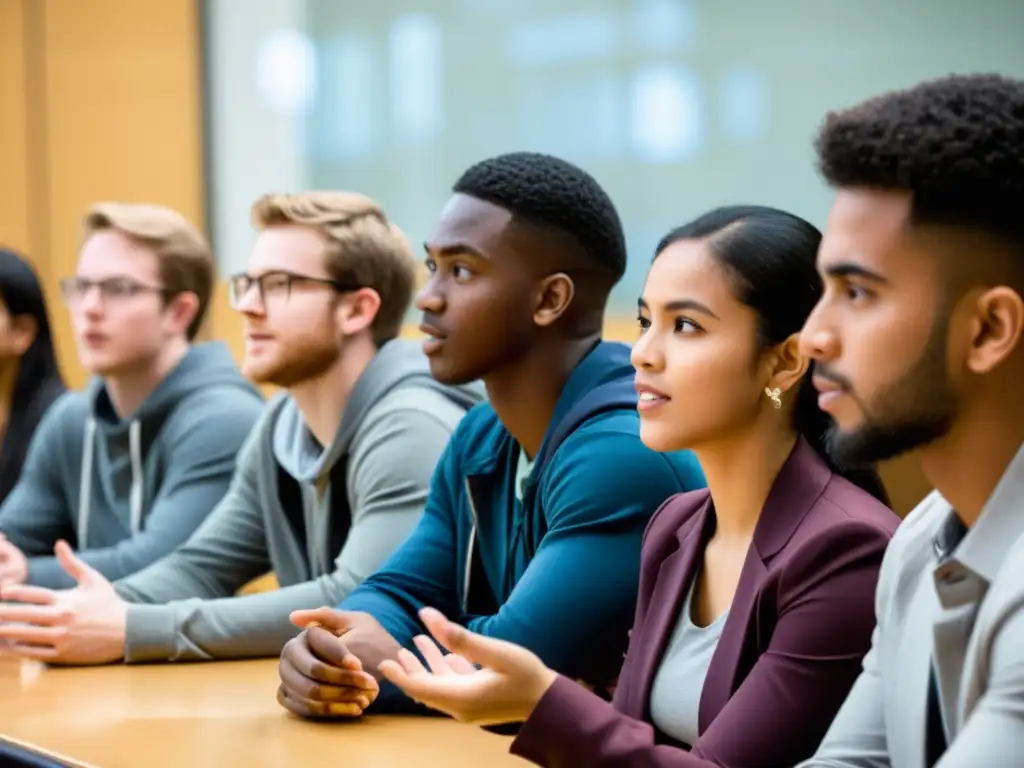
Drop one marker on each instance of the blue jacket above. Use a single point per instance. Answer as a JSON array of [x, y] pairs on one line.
[[557, 573]]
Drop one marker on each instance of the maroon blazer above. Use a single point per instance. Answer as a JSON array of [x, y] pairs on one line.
[[800, 624]]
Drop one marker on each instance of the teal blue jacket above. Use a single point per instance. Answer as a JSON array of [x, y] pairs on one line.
[[557, 573]]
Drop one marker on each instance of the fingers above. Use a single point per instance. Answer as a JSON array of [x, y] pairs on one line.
[[460, 665], [306, 678], [32, 614], [34, 652], [76, 568], [31, 634], [475, 648], [328, 648], [410, 664], [432, 654], [316, 709], [19, 593], [329, 619]]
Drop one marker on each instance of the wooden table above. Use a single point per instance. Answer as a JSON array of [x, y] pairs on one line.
[[213, 714]]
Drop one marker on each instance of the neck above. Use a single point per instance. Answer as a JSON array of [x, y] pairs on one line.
[[740, 472], [525, 391], [129, 388], [966, 465], [322, 400]]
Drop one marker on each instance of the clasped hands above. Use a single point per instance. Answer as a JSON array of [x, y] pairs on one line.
[[332, 669], [82, 625]]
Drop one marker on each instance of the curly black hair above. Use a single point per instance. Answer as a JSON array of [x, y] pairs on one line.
[[549, 192], [955, 143]]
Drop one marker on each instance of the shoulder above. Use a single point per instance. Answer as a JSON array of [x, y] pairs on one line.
[[679, 511], [479, 432], [610, 442], [67, 415], [415, 406], [218, 419], [607, 454], [842, 504]]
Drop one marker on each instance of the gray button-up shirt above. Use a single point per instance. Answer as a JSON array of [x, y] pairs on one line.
[[965, 609]]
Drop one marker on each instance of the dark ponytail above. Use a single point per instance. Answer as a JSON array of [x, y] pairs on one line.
[[772, 255]]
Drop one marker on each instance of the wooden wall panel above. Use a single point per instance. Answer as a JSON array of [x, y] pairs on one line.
[[14, 191], [123, 95], [111, 95]]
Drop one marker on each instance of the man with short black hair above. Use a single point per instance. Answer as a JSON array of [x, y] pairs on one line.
[[533, 526], [918, 347]]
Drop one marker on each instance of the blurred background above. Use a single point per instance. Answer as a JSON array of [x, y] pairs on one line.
[[674, 105]]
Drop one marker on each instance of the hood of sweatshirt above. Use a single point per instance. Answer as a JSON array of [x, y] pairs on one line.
[[399, 364], [110, 439]]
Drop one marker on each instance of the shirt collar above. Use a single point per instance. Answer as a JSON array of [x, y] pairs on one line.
[[1001, 523]]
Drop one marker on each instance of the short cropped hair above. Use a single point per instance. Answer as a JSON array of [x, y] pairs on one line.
[[183, 255], [955, 143], [546, 191], [363, 247]]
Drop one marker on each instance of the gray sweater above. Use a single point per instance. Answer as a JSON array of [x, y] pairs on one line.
[[126, 492], [396, 424]]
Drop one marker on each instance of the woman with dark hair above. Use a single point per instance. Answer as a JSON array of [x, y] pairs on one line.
[[756, 595], [29, 377]]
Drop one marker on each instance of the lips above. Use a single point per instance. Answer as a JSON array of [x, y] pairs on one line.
[[94, 339], [825, 386], [648, 397], [432, 332], [434, 340]]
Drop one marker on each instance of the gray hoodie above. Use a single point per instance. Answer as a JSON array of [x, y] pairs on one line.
[[125, 492], [322, 519]]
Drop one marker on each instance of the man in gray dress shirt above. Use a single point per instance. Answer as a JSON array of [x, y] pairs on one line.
[[918, 347]]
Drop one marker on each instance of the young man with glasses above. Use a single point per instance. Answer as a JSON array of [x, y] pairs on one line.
[[334, 476], [127, 469]]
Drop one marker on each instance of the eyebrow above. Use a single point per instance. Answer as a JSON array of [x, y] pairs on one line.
[[681, 304], [454, 249], [850, 269]]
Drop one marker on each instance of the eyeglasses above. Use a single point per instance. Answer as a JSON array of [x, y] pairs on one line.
[[277, 286], [111, 289]]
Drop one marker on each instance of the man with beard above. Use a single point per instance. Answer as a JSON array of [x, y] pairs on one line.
[[533, 527], [332, 478], [918, 347]]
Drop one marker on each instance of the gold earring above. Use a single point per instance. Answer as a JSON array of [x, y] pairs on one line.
[[775, 395]]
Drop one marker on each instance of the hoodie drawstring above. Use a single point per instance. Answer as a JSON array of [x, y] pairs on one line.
[[85, 480], [85, 483], [135, 449]]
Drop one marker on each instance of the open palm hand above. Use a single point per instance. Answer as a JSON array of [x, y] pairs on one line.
[[482, 680]]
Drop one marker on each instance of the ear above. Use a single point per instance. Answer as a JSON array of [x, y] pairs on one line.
[[23, 332], [357, 310], [182, 311], [997, 325], [554, 295], [787, 364]]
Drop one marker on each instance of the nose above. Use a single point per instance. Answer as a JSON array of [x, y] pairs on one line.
[[647, 353], [250, 303], [817, 340], [91, 302], [430, 299]]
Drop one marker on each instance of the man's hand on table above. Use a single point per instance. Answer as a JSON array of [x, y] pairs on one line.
[[83, 625], [330, 669]]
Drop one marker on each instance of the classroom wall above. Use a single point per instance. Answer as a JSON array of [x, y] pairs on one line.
[[103, 99], [106, 96]]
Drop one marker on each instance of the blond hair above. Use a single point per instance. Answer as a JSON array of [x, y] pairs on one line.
[[363, 247], [183, 255]]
